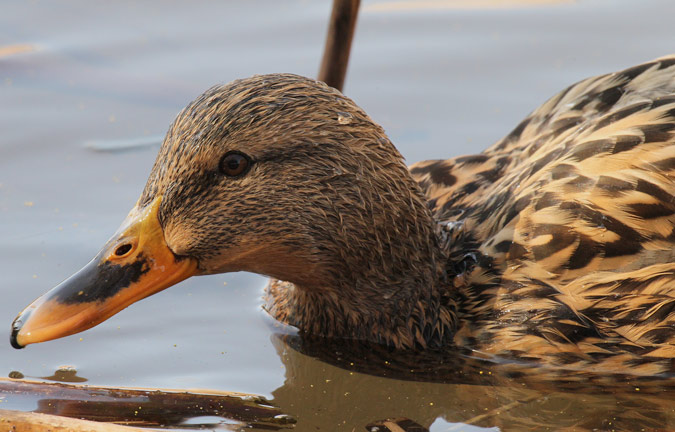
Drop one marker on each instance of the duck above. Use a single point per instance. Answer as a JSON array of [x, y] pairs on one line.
[[555, 246]]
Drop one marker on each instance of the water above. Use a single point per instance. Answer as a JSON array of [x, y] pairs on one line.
[[87, 88]]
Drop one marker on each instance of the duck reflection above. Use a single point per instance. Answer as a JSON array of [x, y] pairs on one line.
[[348, 386]]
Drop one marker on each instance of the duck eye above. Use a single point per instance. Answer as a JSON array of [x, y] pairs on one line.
[[234, 164]]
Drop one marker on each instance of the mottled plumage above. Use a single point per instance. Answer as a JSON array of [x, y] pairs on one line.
[[573, 217]]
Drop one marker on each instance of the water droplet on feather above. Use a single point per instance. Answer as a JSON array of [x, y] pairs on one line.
[[344, 118]]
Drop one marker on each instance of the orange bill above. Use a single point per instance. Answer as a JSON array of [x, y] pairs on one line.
[[134, 264]]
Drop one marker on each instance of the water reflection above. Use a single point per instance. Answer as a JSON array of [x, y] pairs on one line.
[[347, 388], [333, 385]]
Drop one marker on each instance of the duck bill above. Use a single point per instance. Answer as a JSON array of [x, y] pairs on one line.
[[134, 264]]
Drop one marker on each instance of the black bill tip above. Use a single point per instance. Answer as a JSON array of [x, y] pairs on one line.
[[16, 326]]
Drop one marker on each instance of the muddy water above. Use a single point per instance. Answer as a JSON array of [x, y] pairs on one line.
[[88, 89]]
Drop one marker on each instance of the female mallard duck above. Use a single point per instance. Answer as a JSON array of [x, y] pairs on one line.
[[555, 245]]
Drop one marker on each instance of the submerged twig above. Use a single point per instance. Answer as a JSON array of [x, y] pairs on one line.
[[146, 407]]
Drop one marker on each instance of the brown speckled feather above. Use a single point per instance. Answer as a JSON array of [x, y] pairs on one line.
[[572, 218]]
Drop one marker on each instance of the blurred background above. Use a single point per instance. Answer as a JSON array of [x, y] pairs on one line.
[[88, 89]]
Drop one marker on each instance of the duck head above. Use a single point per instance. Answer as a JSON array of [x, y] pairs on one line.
[[278, 175]]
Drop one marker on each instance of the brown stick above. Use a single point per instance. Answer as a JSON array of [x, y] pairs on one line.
[[145, 407], [18, 421], [338, 43]]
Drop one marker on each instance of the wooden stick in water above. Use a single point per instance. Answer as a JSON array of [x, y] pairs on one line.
[[18, 421], [145, 407], [338, 43]]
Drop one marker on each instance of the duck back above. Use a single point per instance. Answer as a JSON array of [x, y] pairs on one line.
[[572, 217]]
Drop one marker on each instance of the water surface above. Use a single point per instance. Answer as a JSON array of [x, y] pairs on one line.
[[87, 89]]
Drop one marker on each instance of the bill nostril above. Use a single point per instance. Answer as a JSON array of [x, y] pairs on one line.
[[123, 249]]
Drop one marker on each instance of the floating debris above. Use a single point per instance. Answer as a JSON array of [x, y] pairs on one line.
[[8, 50], [123, 145]]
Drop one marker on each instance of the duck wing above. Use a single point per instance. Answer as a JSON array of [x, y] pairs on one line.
[[574, 215]]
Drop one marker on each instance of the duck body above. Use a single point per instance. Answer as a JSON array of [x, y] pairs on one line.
[[554, 246], [573, 217]]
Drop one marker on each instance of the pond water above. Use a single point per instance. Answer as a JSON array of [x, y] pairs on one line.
[[87, 90]]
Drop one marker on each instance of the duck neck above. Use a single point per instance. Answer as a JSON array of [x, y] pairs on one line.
[[420, 319], [382, 274]]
